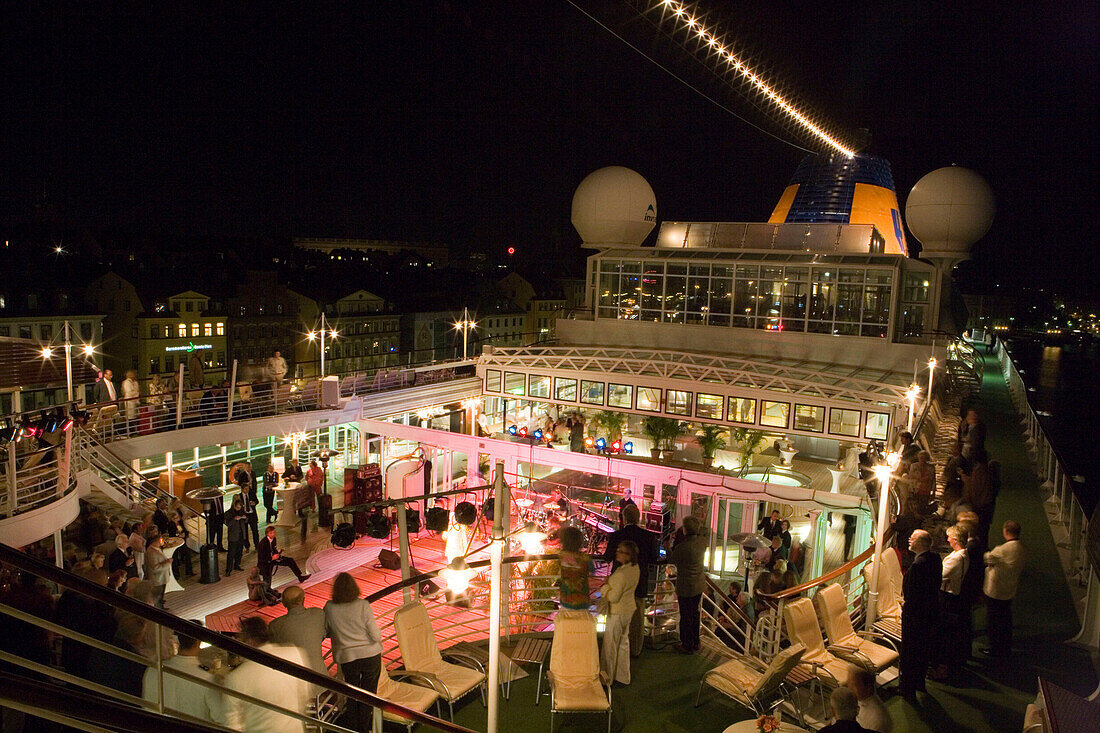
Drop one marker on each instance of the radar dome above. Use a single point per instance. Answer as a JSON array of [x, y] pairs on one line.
[[949, 210], [614, 206]]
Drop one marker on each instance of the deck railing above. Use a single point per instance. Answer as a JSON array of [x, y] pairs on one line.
[[1069, 521], [159, 623], [35, 471]]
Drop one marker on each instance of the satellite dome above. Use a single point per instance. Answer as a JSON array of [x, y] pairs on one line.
[[614, 206], [950, 209]]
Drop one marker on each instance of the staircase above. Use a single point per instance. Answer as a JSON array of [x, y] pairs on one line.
[[114, 487]]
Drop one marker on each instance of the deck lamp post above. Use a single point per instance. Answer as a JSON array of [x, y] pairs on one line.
[[911, 395], [313, 335], [884, 473], [931, 372], [87, 350], [465, 325]]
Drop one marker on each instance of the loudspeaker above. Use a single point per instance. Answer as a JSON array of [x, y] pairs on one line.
[[428, 588], [389, 560], [465, 513], [488, 508], [412, 520]]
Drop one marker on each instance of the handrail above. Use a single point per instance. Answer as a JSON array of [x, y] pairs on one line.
[[85, 587], [832, 574], [74, 707], [713, 587], [143, 480]]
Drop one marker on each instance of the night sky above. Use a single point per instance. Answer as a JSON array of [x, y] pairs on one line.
[[472, 123]]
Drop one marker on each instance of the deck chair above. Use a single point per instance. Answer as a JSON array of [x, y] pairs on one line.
[[420, 654], [576, 683], [844, 642], [802, 628], [416, 697], [749, 682], [890, 599]]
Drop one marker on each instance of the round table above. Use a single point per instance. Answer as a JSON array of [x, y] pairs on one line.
[[169, 546], [749, 726], [787, 456], [285, 506]]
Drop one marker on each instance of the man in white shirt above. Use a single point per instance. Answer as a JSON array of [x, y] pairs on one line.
[[182, 695], [1003, 565], [276, 368], [158, 567], [872, 713], [953, 637], [263, 683]]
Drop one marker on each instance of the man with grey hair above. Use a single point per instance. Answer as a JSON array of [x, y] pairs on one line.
[[301, 627], [845, 707], [919, 613]]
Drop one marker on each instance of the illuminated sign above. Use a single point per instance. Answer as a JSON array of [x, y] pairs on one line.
[[189, 347]]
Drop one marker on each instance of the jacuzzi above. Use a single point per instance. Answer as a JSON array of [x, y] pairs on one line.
[[775, 475]]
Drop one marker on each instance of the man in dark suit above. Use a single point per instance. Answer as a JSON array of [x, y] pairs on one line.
[[920, 613], [770, 526], [647, 556], [104, 390], [269, 557]]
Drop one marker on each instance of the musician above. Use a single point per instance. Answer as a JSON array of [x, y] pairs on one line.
[[623, 504], [561, 501]]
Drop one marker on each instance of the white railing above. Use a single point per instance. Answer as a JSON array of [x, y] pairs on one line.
[[1068, 521], [34, 471]]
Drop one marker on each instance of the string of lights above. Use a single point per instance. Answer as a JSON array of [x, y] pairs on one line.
[[688, 21]]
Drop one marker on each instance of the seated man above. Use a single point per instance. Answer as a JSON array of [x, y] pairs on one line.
[[269, 557], [845, 708]]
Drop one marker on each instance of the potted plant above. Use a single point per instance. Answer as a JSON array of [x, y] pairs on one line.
[[657, 429], [748, 442], [711, 439], [610, 423]]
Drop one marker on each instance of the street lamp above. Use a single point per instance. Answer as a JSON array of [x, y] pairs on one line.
[[312, 335], [465, 325], [911, 395], [87, 350]]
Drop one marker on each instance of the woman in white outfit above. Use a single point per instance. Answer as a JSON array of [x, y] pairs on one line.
[[618, 603], [131, 391]]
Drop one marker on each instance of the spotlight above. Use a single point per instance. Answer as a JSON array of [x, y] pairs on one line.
[[512, 430], [523, 432], [628, 447], [600, 443], [537, 435], [589, 442], [616, 446]]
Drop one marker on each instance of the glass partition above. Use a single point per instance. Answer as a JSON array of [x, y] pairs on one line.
[[565, 389], [591, 392], [679, 402], [844, 422], [539, 386], [877, 424], [775, 414], [515, 383], [810, 418], [620, 395], [742, 410], [492, 380], [708, 406], [649, 399]]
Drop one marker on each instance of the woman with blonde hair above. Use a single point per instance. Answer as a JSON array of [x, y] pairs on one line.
[[618, 603], [356, 642]]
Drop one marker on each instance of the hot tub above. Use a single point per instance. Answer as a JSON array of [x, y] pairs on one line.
[[775, 475]]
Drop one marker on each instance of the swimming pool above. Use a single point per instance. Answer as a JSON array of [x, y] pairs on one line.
[[779, 476]]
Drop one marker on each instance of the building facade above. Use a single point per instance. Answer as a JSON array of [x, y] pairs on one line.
[[265, 320]]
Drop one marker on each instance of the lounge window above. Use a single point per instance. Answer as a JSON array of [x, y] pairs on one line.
[[183, 330], [515, 382], [844, 422], [708, 406], [649, 399], [877, 423], [565, 389], [591, 392], [194, 329], [741, 409], [492, 380], [208, 329], [620, 395], [540, 386], [221, 329], [679, 402], [775, 414], [810, 418]]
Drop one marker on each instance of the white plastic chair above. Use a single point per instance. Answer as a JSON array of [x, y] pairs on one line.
[[420, 654], [576, 683]]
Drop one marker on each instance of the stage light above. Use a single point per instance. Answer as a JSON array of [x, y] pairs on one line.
[[616, 446], [523, 432], [512, 430], [589, 442], [600, 443], [628, 447], [537, 435]]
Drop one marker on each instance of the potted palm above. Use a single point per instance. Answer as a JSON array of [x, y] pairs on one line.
[[657, 429], [711, 439], [748, 442], [610, 423]]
